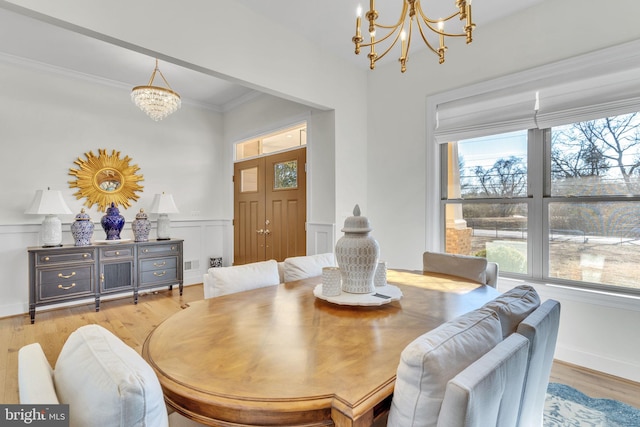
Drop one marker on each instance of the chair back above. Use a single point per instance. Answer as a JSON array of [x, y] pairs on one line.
[[469, 267], [541, 329], [227, 280], [107, 383], [487, 392], [431, 360], [493, 272], [303, 267]]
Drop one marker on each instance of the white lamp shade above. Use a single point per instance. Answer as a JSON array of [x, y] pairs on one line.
[[48, 202], [163, 204]]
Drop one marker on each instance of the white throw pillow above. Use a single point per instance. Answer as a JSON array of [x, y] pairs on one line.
[[465, 266], [303, 267], [514, 306], [431, 360], [239, 278], [107, 383]]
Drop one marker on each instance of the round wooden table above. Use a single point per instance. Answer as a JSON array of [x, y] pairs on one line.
[[278, 356]]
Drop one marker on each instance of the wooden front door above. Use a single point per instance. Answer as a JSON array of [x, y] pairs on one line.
[[270, 207]]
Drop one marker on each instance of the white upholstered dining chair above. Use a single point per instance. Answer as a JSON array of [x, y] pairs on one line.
[[220, 281], [105, 382], [474, 268], [487, 392]]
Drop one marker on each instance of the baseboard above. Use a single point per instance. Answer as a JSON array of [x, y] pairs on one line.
[[598, 363]]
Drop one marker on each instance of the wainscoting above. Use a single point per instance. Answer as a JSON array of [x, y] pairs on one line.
[[203, 239]]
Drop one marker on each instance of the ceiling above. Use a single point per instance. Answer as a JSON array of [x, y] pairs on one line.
[[331, 28]]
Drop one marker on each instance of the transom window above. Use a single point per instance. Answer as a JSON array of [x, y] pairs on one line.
[[282, 140]]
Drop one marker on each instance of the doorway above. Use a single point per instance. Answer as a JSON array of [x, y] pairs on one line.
[[270, 207]]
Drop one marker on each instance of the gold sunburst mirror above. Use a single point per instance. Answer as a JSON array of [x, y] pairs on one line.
[[106, 179]]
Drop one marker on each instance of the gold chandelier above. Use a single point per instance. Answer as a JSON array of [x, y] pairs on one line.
[[158, 102], [411, 15]]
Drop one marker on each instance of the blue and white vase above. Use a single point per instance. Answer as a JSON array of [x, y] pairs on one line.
[[82, 229], [112, 223], [141, 227]]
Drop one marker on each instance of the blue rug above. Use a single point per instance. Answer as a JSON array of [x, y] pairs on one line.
[[566, 406]]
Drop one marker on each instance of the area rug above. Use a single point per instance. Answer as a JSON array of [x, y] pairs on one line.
[[566, 406]]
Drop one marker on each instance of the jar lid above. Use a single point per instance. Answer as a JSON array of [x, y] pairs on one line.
[[141, 215], [82, 216], [113, 209], [356, 223]]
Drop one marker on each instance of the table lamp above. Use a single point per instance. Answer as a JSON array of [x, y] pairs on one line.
[[163, 205], [49, 203]]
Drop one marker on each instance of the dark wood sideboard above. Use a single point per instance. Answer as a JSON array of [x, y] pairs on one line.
[[67, 273]]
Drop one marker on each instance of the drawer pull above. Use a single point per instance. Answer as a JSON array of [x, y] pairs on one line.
[[62, 276], [159, 274], [46, 258], [117, 252], [173, 248], [145, 251], [160, 264], [66, 287], [85, 255]]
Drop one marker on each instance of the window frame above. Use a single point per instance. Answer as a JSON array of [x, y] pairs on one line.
[[538, 200]]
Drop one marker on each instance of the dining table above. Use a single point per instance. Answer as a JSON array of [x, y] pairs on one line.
[[284, 355]]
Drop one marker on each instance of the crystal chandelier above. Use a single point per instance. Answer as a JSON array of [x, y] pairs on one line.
[[411, 15], [157, 102]]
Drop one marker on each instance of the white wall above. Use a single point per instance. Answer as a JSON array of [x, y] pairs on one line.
[[50, 118], [228, 40]]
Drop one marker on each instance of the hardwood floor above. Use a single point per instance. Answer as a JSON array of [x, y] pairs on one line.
[[132, 323]]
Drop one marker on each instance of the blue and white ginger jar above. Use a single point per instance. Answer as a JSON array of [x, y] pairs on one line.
[[141, 227], [112, 223], [82, 229]]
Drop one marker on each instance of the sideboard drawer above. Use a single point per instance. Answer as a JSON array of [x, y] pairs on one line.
[[159, 276], [158, 264], [49, 258], [65, 290], [116, 253], [64, 276], [65, 282], [169, 248]]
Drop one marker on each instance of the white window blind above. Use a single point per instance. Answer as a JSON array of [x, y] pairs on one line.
[[589, 99], [596, 85], [485, 114]]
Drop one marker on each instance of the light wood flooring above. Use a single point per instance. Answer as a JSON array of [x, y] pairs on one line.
[[132, 323]]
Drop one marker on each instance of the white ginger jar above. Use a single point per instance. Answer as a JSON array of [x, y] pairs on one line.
[[357, 255]]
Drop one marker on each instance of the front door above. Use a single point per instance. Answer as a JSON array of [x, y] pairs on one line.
[[270, 207]]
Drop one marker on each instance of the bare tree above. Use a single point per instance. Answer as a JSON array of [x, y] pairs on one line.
[[596, 147], [506, 178]]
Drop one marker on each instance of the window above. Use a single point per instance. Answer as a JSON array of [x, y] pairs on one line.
[[561, 203], [282, 140]]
